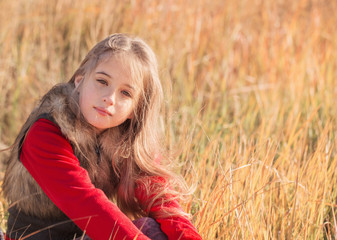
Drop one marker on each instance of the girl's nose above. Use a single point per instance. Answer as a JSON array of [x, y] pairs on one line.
[[109, 98]]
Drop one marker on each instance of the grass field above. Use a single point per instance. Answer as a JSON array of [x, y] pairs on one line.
[[249, 89]]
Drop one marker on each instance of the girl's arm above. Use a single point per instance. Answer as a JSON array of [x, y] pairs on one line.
[[49, 158], [178, 227]]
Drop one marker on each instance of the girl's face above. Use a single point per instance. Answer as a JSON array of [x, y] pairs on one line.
[[107, 95]]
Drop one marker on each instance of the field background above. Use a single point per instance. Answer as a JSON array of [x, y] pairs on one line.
[[249, 88]]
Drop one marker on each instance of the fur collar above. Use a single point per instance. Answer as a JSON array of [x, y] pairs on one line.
[[94, 152]]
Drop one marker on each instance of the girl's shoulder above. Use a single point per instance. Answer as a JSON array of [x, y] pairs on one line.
[[44, 126], [45, 131]]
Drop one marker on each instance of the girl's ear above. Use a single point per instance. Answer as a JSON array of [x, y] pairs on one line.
[[78, 79]]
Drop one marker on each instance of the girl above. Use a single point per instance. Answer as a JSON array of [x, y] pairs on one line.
[[91, 142]]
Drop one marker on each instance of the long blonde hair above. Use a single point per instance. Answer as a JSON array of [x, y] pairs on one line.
[[140, 142]]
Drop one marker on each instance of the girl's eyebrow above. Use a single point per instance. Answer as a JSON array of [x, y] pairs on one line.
[[104, 73]]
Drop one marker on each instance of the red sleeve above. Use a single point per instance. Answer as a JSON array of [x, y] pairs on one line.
[[174, 227], [49, 158]]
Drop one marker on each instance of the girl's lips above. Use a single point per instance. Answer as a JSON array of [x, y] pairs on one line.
[[102, 111]]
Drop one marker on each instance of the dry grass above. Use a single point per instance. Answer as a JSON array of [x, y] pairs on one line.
[[249, 88]]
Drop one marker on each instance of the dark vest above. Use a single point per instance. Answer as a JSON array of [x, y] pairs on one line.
[[20, 224]]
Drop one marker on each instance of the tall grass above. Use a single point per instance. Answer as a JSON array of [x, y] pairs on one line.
[[249, 86]]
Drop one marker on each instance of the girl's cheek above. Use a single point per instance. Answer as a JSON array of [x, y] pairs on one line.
[[126, 103]]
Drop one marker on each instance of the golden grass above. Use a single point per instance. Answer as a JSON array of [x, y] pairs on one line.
[[249, 88]]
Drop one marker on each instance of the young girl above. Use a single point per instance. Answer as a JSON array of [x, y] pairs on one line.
[[89, 157]]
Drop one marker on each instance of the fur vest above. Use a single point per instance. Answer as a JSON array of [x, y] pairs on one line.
[[94, 153]]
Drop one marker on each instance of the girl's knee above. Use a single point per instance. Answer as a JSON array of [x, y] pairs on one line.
[[150, 227], [145, 221]]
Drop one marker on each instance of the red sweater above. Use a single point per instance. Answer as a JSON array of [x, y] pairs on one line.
[[49, 158]]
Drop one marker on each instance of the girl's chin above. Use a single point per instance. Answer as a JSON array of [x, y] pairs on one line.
[[98, 128]]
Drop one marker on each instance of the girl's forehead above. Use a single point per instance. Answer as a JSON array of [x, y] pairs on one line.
[[127, 63], [113, 63]]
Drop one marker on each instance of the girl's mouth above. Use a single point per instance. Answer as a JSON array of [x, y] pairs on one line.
[[102, 111]]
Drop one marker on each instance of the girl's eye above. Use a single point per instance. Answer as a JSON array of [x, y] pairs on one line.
[[126, 93], [102, 81]]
